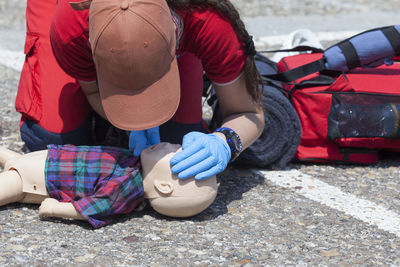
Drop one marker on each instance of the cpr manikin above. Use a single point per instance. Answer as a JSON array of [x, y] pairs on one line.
[[24, 181], [168, 194]]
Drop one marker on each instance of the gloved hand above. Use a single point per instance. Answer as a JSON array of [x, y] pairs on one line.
[[202, 156], [139, 140]]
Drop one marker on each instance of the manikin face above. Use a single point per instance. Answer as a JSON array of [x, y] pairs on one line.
[[168, 194]]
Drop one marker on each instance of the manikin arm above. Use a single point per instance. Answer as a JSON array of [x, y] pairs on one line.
[[29, 168], [6, 154], [51, 207]]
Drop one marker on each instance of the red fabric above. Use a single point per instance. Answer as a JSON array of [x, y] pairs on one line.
[[313, 105], [213, 40], [206, 34], [69, 35], [191, 75], [43, 84], [329, 152]]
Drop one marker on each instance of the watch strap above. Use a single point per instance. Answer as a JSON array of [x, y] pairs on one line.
[[233, 140]]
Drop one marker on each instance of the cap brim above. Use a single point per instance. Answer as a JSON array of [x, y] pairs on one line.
[[144, 108]]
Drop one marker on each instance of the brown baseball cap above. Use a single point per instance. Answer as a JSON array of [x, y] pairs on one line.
[[133, 45]]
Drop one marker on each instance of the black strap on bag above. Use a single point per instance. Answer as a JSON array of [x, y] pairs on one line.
[[299, 72], [350, 54], [393, 37], [300, 48]]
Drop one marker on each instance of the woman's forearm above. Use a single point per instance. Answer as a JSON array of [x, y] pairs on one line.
[[249, 126], [240, 112]]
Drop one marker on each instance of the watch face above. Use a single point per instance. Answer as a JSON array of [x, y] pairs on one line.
[[235, 141]]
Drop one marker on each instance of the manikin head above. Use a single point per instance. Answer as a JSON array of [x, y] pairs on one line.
[[168, 194]]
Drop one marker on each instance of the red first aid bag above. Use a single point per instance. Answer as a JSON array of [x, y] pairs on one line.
[[345, 117]]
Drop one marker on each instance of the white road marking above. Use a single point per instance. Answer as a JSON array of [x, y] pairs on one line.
[[316, 190], [12, 59], [274, 40]]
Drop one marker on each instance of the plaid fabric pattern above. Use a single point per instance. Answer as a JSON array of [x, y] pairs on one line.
[[99, 181]]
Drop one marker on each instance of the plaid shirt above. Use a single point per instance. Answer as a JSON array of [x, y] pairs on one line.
[[99, 181]]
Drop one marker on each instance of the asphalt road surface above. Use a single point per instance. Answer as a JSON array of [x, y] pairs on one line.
[[306, 215]]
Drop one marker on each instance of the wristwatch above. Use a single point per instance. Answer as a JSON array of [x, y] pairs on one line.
[[233, 140]]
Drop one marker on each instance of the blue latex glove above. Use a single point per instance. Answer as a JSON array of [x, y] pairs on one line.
[[139, 140], [202, 156]]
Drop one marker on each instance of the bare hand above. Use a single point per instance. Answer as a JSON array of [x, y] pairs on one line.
[[47, 207]]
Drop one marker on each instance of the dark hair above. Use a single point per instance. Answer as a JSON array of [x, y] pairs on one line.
[[225, 8]]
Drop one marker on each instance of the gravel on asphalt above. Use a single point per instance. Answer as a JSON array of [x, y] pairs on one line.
[[251, 223]]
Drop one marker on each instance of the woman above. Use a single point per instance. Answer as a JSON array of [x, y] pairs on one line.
[[124, 55]]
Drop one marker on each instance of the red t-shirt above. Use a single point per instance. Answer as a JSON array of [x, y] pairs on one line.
[[203, 33]]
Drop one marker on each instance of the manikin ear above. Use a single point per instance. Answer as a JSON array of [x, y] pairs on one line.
[[164, 186]]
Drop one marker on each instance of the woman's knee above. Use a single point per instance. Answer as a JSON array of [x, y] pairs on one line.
[[37, 138]]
